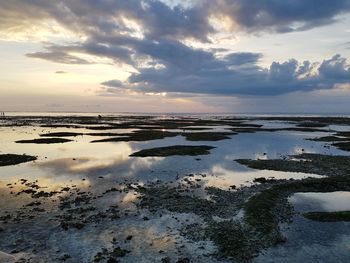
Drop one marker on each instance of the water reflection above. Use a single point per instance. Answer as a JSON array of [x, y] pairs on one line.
[[82, 158], [93, 169], [327, 202]]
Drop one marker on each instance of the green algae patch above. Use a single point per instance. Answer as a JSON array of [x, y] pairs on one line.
[[328, 216], [207, 136], [13, 159], [45, 141], [174, 150]]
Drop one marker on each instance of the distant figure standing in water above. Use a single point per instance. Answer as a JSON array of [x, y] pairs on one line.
[[99, 116]]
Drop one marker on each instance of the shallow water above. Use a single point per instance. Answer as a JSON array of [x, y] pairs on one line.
[[312, 241], [321, 202], [80, 158], [96, 167]]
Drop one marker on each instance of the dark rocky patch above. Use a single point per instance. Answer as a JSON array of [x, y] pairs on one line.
[[292, 129], [311, 124], [328, 216], [344, 134], [263, 180], [174, 150], [61, 134], [207, 136], [266, 209], [265, 205], [13, 159], [328, 139], [305, 163], [45, 141], [141, 135], [323, 120], [107, 134], [230, 236], [110, 256], [345, 146]]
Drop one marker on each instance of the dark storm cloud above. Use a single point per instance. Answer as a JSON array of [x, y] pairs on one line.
[[149, 36], [280, 16], [242, 58], [335, 68], [160, 21], [217, 76], [157, 20]]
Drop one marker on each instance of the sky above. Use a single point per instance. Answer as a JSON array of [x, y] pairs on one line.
[[205, 56]]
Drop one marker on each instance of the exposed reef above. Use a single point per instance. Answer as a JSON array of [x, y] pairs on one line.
[[174, 150], [45, 141], [13, 159]]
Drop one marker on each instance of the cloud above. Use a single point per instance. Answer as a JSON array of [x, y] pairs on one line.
[[150, 37], [61, 72], [58, 57], [279, 16], [113, 83], [153, 19], [224, 76], [242, 58], [335, 68], [157, 20]]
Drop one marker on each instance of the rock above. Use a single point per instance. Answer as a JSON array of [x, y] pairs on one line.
[[183, 260], [166, 260], [64, 257], [261, 180]]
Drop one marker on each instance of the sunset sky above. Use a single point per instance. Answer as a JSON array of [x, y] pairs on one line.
[[238, 56]]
